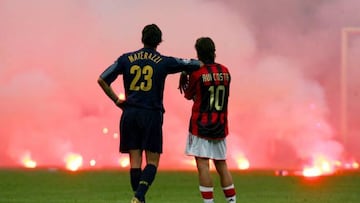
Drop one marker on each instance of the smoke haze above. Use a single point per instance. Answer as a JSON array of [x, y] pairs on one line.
[[284, 57]]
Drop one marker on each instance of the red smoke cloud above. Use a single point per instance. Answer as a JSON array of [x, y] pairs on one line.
[[284, 58]]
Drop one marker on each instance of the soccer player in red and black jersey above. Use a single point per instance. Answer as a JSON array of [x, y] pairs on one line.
[[144, 72], [208, 87]]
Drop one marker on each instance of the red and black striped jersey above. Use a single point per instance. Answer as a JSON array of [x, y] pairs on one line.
[[209, 89]]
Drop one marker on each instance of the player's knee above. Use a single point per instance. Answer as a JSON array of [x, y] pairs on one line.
[[152, 158]]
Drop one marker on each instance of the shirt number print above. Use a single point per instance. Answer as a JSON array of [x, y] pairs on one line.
[[144, 73], [217, 96]]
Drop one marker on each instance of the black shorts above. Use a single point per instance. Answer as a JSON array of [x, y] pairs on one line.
[[141, 129]]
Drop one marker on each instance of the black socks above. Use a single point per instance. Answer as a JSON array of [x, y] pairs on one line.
[[135, 175], [147, 177]]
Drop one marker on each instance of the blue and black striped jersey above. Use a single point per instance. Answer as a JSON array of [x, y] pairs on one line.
[[144, 72]]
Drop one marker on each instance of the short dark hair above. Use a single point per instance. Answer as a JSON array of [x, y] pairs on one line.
[[205, 48], [151, 35]]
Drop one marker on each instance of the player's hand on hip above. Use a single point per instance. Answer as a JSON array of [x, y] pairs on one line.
[[120, 103]]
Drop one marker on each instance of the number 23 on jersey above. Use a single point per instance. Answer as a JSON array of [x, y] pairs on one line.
[[142, 80]]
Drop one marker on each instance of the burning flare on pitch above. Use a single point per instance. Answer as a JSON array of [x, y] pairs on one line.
[[124, 162], [243, 163], [27, 161], [73, 161], [121, 96], [321, 165]]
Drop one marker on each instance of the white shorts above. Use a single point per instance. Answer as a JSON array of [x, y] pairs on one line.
[[200, 147]]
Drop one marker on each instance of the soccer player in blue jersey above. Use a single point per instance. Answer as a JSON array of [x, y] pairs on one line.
[[144, 72], [208, 87]]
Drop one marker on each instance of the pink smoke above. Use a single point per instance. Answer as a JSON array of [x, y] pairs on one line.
[[284, 57]]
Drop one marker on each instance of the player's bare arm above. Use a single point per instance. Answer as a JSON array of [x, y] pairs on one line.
[[110, 92]]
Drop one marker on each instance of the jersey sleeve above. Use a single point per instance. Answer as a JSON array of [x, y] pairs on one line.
[[177, 65], [112, 72]]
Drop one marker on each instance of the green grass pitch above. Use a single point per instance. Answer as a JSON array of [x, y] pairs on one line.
[[111, 186]]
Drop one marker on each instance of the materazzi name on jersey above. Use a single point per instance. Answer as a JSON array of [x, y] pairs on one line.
[[209, 77], [143, 55]]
